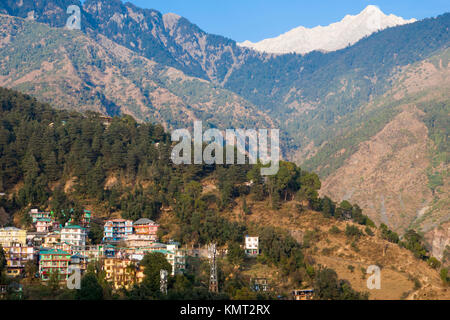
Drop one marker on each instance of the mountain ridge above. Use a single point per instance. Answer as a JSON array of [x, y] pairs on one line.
[[84, 74], [333, 37]]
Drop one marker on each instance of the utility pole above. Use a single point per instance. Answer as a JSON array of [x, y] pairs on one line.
[[213, 282], [163, 281]]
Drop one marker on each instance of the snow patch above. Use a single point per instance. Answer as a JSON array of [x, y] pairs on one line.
[[333, 37]]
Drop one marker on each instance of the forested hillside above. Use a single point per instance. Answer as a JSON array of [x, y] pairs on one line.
[[60, 159], [44, 150], [370, 119]]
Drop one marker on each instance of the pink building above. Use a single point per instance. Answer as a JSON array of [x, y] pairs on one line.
[[146, 226], [44, 225]]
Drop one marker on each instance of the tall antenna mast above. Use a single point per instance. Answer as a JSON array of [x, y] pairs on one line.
[[213, 283], [163, 281]]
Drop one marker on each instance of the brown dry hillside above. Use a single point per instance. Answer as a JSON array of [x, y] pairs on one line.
[[389, 174], [400, 270]]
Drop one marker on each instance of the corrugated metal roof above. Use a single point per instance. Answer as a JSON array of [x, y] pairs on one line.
[[144, 221]]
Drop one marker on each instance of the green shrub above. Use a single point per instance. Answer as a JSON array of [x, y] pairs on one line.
[[434, 263], [334, 230], [352, 232], [369, 231]]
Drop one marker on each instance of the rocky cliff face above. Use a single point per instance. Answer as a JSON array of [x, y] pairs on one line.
[[140, 30], [168, 39], [217, 56], [439, 241], [71, 70]]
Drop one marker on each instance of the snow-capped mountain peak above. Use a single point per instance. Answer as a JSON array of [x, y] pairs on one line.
[[333, 37]]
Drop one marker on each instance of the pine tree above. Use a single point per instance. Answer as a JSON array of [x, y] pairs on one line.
[[51, 166], [90, 288], [245, 208], [30, 167]]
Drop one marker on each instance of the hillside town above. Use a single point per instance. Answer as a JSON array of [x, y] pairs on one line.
[[136, 163], [58, 250]]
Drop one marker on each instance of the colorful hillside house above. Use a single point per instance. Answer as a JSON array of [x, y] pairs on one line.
[[17, 255], [117, 230], [44, 225], [146, 226], [122, 273], [74, 235], [251, 246], [53, 261], [36, 214], [86, 219]]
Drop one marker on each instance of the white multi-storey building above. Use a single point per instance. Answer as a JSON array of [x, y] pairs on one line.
[[139, 240], [11, 235], [251, 246], [74, 235], [45, 225], [176, 257]]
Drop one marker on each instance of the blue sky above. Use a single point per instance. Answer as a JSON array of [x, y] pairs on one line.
[[259, 19]]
